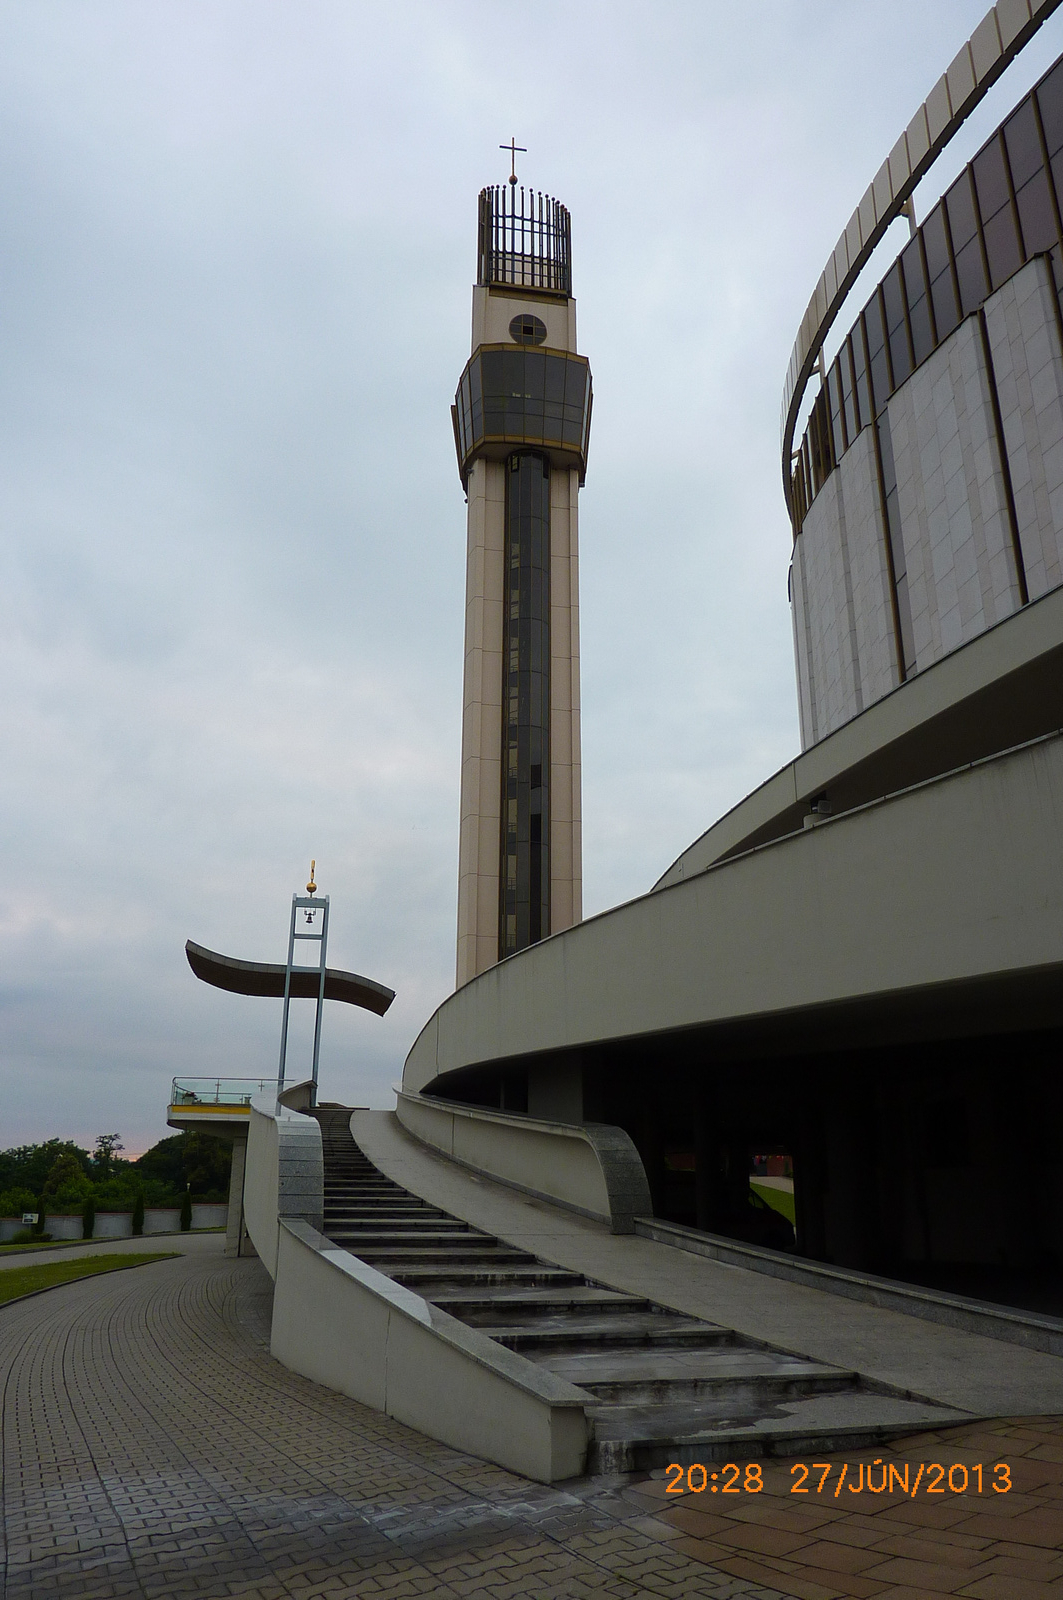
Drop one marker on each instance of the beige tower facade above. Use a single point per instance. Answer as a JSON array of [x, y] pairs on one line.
[[521, 426]]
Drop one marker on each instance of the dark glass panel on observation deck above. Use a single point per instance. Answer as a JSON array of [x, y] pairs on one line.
[[1037, 215], [991, 179], [524, 879], [1050, 105], [524, 395], [1023, 142]]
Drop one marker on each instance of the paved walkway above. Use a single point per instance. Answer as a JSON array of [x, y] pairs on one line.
[[152, 1448]]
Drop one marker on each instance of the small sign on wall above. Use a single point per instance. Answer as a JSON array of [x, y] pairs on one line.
[[30, 1218]]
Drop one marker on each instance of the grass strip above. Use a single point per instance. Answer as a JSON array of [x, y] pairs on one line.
[[21, 1249], [18, 1281], [780, 1200]]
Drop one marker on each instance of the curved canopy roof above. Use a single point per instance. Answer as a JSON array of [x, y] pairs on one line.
[[267, 978]]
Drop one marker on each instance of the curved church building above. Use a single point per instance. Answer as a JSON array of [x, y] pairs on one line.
[[858, 970]]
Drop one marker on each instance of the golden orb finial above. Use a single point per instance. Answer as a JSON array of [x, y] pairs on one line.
[[311, 887]]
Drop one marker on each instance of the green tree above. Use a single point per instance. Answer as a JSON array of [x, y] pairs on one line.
[[67, 1184], [13, 1202], [88, 1217], [138, 1215], [105, 1156], [186, 1211], [28, 1165], [195, 1159]]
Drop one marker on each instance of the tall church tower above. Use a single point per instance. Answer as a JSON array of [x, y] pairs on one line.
[[521, 424]]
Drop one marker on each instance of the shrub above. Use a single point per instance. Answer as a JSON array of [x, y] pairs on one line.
[[186, 1211], [13, 1202], [138, 1216], [31, 1236], [88, 1217]]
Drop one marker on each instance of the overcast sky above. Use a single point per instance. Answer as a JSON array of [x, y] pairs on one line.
[[237, 242]]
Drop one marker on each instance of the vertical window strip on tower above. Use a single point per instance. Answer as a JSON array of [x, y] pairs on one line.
[[524, 877]]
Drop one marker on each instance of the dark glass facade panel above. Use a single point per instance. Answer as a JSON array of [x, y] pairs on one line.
[[1022, 139], [820, 443], [875, 334], [936, 242], [524, 877], [845, 367], [1050, 105], [1002, 211], [1037, 215], [837, 422], [970, 275], [1002, 246], [893, 299], [509, 395], [991, 179], [946, 306], [959, 203], [863, 391]]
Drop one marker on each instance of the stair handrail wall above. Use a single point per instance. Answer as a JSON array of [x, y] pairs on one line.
[[284, 1175], [592, 1168]]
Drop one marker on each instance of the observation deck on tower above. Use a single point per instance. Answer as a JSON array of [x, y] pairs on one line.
[[525, 241]]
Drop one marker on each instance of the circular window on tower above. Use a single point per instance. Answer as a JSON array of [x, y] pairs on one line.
[[527, 329]]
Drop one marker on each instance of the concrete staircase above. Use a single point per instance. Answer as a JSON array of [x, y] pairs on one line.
[[661, 1386]]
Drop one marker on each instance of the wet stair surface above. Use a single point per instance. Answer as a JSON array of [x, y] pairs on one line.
[[661, 1386]]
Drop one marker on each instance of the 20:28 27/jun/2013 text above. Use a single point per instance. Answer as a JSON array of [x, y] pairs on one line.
[[958, 1478]]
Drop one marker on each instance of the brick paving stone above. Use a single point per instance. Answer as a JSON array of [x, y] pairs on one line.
[[151, 1447]]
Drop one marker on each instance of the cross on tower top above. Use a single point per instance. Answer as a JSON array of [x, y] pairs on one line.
[[513, 147]]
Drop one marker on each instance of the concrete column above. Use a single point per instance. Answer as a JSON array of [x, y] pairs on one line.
[[235, 1221]]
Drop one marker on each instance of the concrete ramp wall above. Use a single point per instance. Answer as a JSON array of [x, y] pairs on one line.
[[589, 1167], [339, 1322]]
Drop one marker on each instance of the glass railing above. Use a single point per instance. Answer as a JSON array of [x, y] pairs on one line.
[[231, 1092]]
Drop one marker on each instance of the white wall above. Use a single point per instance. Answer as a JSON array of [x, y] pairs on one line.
[[980, 508]]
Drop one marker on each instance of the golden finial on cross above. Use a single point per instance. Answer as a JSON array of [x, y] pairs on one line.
[[311, 887], [513, 147]]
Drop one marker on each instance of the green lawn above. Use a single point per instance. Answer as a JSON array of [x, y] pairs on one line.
[[780, 1200], [15, 1281]]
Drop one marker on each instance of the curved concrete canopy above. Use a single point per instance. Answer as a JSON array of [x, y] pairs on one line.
[[267, 978], [938, 910]]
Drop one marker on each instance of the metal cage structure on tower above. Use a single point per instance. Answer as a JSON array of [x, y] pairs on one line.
[[525, 239]]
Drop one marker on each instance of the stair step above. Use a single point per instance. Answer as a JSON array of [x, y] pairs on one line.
[[385, 1259], [473, 1308], [615, 1331], [502, 1277]]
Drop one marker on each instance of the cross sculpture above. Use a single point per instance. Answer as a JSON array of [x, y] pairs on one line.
[[513, 147], [295, 980]]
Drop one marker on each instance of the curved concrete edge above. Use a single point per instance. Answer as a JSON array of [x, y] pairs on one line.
[[339, 1322], [284, 1174], [590, 1167]]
